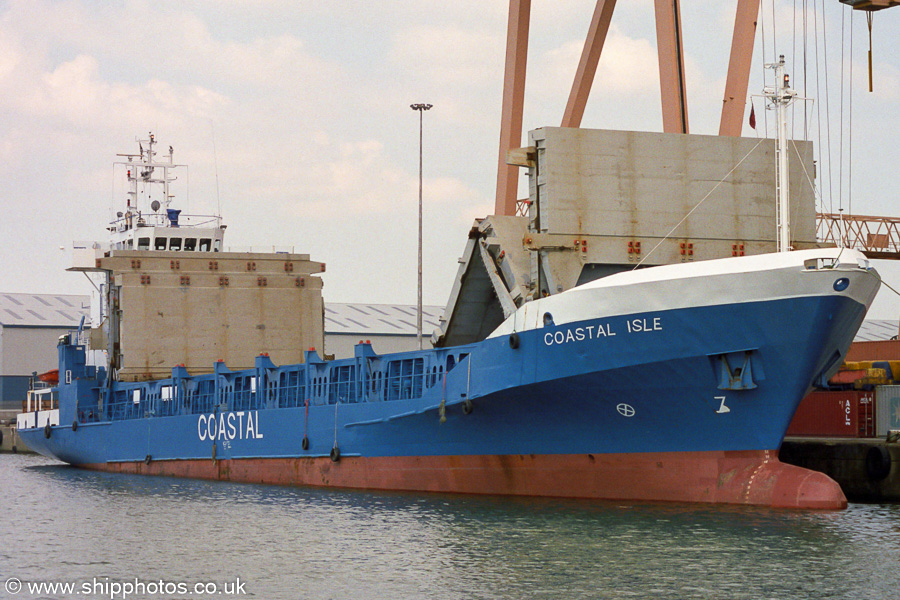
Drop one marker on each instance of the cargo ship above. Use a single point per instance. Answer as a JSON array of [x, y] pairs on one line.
[[667, 383]]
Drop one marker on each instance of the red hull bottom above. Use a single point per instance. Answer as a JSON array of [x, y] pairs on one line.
[[747, 477]]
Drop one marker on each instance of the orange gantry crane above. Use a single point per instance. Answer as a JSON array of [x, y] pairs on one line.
[[877, 236]]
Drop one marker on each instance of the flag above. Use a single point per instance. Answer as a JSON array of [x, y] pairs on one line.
[[752, 116]]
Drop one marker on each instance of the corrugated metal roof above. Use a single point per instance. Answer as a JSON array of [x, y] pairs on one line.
[[42, 310], [876, 330], [56, 310], [63, 310], [379, 319]]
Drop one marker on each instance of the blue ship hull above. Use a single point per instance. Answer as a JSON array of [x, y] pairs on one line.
[[651, 397]]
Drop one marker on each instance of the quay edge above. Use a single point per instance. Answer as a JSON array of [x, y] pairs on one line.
[[9, 436], [866, 468]]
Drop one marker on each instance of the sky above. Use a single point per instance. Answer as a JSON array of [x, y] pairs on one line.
[[294, 118]]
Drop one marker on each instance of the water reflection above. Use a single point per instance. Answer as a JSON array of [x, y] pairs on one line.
[[314, 543]]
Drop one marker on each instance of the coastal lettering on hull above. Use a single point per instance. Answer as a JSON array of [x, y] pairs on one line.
[[239, 425], [578, 334], [641, 325], [601, 330]]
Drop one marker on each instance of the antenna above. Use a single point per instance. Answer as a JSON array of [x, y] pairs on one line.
[[780, 95], [216, 169]]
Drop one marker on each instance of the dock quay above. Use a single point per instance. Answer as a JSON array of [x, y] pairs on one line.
[[9, 438], [866, 468]]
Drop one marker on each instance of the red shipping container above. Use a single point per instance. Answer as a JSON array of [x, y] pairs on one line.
[[835, 414]]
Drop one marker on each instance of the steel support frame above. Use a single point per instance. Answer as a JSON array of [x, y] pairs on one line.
[[877, 237], [513, 105], [587, 66], [670, 49], [673, 90], [735, 100]]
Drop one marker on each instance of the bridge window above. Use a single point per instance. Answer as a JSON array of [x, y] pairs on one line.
[[205, 245], [190, 244], [144, 243], [161, 243], [175, 244]]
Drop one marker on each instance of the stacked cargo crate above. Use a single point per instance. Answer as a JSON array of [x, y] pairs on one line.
[[842, 413], [861, 400]]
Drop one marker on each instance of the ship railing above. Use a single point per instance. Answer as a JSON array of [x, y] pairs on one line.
[[287, 388], [202, 403], [136, 221], [90, 415], [41, 399], [261, 249], [36, 384], [407, 376]]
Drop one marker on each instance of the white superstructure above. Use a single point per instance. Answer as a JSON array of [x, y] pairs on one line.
[[148, 222]]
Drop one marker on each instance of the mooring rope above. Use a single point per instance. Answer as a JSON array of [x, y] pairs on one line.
[[335, 423], [442, 409]]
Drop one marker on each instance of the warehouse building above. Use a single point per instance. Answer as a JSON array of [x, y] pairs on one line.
[[390, 327], [30, 326]]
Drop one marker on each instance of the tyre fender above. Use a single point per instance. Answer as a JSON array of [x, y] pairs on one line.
[[878, 463]]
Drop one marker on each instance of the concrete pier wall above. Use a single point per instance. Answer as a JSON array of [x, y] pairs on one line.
[[868, 470]]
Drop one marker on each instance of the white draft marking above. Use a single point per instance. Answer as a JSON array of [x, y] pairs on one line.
[[722, 408]]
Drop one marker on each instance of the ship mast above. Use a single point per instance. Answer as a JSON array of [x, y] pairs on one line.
[[780, 96], [141, 170]]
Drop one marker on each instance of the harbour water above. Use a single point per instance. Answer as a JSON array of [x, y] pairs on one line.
[[104, 532]]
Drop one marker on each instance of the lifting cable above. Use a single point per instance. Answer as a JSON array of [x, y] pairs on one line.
[[827, 107], [819, 109], [762, 45], [794, 64], [850, 126], [841, 116], [869, 22]]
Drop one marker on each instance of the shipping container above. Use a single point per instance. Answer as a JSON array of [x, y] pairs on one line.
[[888, 409], [835, 414], [871, 351]]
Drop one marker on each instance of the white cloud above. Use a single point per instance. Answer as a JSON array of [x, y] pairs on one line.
[[627, 67], [449, 54], [10, 56], [75, 94], [885, 80], [308, 104]]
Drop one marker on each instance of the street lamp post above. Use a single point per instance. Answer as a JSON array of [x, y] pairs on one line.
[[421, 108]]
